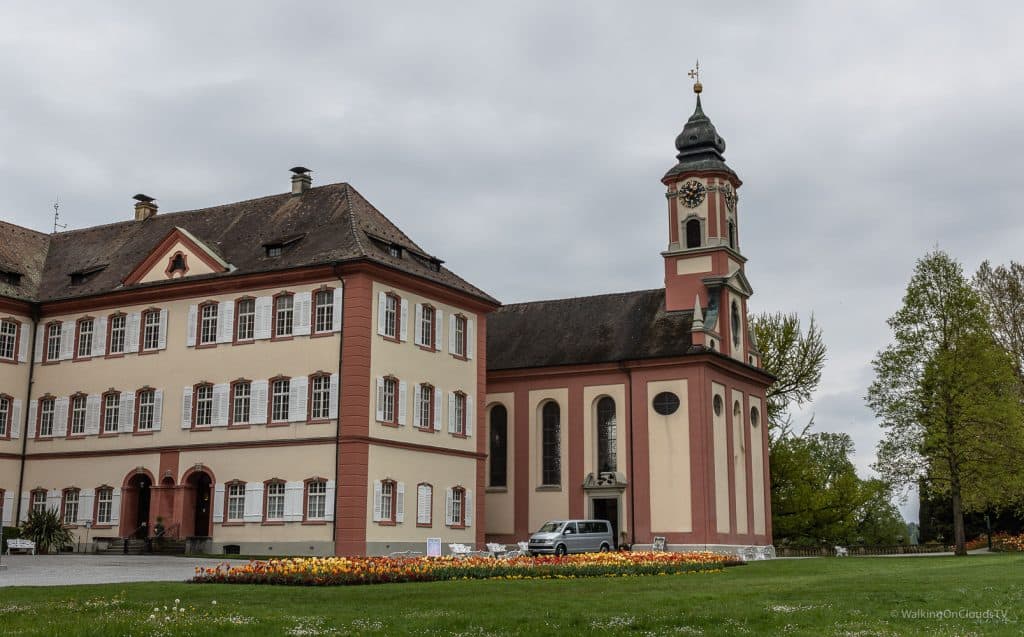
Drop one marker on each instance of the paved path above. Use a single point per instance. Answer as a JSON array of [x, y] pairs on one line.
[[61, 570]]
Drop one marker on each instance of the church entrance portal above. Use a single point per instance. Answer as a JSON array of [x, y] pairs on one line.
[[608, 509], [199, 484], [139, 491]]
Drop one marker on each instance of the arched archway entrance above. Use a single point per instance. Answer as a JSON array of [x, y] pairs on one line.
[[136, 496], [198, 506]]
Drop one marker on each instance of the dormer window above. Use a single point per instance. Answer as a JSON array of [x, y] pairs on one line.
[[275, 247], [82, 276], [395, 251], [10, 277], [274, 250]]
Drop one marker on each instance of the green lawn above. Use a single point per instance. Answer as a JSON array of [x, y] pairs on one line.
[[855, 596]]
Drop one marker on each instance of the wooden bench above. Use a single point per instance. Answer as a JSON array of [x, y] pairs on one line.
[[17, 544]]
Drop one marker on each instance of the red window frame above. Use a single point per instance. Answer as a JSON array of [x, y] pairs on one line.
[[103, 412], [142, 330], [199, 324], [397, 338], [231, 404], [110, 332], [63, 506], [17, 340], [136, 420], [270, 401], [432, 345], [6, 435], [267, 520], [234, 328], [461, 424], [273, 317], [430, 524], [309, 398], [96, 524], [46, 342], [393, 422], [461, 523], [313, 331], [78, 338], [227, 499], [39, 416], [461, 340], [305, 501], [390, 521], [32, 498], [429, 426], [71, 414], [195, 405]]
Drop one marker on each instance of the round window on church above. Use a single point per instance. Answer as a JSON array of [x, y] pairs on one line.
[[718, 405], [755, 416], [666, 403]]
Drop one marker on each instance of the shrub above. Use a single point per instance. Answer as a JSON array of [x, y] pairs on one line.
[[46, 529]]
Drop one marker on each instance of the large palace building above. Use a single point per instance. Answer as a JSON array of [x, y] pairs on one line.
[[295, 375]]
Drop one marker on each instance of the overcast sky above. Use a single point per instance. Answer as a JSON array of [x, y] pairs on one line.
[[524, 142]]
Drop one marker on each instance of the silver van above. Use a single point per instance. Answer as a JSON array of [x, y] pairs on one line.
[[560, 537]]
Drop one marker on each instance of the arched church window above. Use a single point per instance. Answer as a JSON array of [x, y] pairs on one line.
[[499, 446], [736, 324], [732, 234], [607, 435], [693, 233], [551, 453]]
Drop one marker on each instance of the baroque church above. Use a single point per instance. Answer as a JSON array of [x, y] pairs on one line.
[[293, 374]]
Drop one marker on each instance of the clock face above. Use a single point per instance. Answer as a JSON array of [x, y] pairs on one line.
[[692, 193], [730, 198]]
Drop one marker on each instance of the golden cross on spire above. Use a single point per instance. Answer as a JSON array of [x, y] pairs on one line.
[[695, 76]]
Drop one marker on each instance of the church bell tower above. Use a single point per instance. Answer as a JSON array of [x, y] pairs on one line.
[[703, 262]]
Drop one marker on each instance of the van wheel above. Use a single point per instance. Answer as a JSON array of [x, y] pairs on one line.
[[605, 548], [560, 550]]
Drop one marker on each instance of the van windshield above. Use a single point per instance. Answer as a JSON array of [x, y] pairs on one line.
[[550, 527]]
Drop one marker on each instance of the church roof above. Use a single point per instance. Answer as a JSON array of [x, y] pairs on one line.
[[593, 329], [322, 226], [700, 146]]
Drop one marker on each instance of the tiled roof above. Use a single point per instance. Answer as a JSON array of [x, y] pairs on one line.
[[335, 223], [593, 329]]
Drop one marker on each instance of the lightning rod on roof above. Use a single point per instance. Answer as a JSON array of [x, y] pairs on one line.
[[56, 217]]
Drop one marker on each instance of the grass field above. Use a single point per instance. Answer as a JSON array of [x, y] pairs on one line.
[[855, 596]]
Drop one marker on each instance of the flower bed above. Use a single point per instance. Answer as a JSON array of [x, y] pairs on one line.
[[334, 571]]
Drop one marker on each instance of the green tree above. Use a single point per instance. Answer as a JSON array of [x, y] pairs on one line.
[[947, 395], [795, 358], [46, 529], [1002, 290]]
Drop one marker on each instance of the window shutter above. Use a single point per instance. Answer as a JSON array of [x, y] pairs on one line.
[[221, 392], [339, 305], [467, 515], [53, 499], [298, 389], [92, 415], [402, 402], [225, 321], [60, 418], [451, 334], [448, 507], [451, 412], [32, 409], [470, 339], [218, 503], [190, 334], [333, 399], [26, 504], [404, 321], [67, 340], [329, 505], [423, 502], [438, 407], [263, 310], [254, 502], [115, 506], [439, 330], [382, 303], [258, 402], [158, 409], [417, 331], [186, 409], [303, 308], [376, 500], [99, 337], [470, 415], [23, 347], [85, 499], [293, 501], [380, 399], [132, 332], [16, 418], [8, 506], [161, 333], [417, 396], [40, 335], [400, 504], [126, 417]]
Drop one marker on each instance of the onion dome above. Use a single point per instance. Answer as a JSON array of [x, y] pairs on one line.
[[700, 146]]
